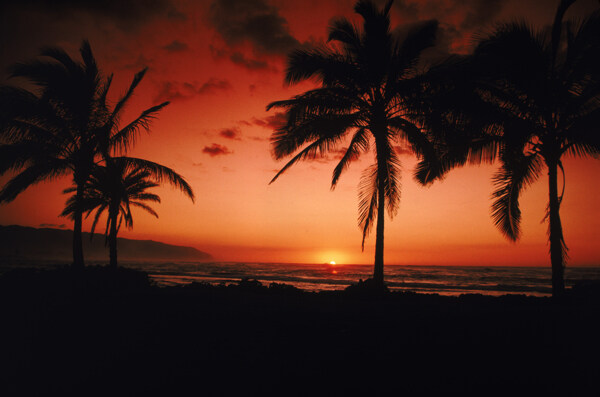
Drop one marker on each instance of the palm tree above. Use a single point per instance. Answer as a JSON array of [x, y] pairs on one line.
[[369, 85], [535, 95], [118, 188], [61, 126]]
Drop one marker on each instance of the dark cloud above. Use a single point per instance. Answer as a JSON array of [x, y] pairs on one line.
[[254, 22], [216, 150], [174, 91], [176, 46], [231, 133], [213, 85], [251, 64], [140, 63], [273, 122], [458, 20], [127, 14], [480, 13], [218, 52], [28, 25]]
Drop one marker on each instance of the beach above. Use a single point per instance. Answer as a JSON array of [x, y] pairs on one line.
[[103, 333]]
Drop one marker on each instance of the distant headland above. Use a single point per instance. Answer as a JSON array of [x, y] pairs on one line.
[[27, 243]]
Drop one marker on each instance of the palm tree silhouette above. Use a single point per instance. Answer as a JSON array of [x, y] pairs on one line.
[[62, 126], [536, 96], [118, 188], [369, 87]]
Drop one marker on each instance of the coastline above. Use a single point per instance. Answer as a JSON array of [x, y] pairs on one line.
[[442, 280], [103, 333]]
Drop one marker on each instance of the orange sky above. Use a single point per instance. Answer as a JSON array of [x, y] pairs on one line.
[[220, 63]]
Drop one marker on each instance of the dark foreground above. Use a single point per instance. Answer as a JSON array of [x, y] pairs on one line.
[[110, 333]]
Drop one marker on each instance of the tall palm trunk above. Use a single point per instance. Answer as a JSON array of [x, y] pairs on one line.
[[112, 237], [378, 268], [556, 233], [78, 261], [382, 175]]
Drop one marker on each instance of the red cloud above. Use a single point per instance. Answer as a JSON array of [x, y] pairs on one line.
[[216, 150], [231, 133], [273, 122], [251, 64], [338, 154], [173, 90]]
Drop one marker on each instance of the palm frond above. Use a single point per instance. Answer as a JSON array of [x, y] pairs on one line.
[[320, 146], [327, 129], [29, 176], [517, 172], [123, 101], [417, 40], [367, 201], [125, 138], [161, 173], [146, 197], [344, 31], [389, 169], [99, 212], [330, 68], [144, 207], [359, 144]]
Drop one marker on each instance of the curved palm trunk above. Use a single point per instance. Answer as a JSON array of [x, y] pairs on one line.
[[556, 233], [112, 238], [78, 261]]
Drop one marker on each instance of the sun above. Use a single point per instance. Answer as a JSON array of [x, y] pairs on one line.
[[332, 263]]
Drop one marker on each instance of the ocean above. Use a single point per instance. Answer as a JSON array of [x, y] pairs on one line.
[[443, 280]]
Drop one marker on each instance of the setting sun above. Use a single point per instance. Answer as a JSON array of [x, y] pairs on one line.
[[332, 263]]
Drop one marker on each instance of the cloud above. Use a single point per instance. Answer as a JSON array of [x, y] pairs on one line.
[[273, 122], [176, 46], [231, 133], [251, 64], [213, 85], [174, 91], [339, 153], [126, 14], [140, 63], [458, 20], [254, 22], [216, 150]]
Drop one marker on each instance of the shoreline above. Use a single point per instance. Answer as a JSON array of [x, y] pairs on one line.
[[440, 280]]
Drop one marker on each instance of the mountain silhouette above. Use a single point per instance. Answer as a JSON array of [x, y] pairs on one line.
[[22, 243]]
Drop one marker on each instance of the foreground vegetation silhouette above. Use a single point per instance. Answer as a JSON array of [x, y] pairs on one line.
[[117, 187], [66, 126], [527, 98], [104, 331], [369, 88]]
